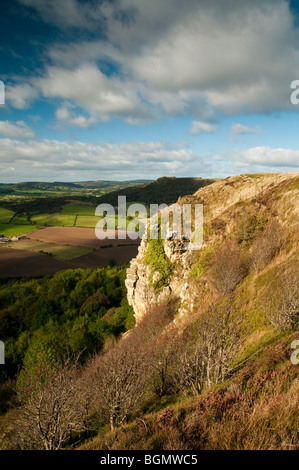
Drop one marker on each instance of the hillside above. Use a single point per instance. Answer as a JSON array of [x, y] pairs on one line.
[[39, 198], [27, 206], [212, 361], [165, 190], [235, 306]]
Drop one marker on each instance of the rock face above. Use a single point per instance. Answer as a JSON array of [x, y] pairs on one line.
[[273, 195], [139, 290]]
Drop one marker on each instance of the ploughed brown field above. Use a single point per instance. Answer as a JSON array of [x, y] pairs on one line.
[[23, 263], [77, 236]]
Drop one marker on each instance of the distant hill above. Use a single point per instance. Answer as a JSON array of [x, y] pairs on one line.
[[62, 186], [39, 197], [165, 190], [108, 184]]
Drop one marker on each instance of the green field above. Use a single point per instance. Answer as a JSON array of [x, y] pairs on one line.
[[79, 214], [5, 215], [78, 209], [86, 221], [62, 252], [15, 230], [20, 220], [55, 220]]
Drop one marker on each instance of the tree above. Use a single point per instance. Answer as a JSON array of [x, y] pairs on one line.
[[281, 303], [266, 245], [120, 376], [158, 339], [116, 379], [211, 348], [229, 267], [53, 405]]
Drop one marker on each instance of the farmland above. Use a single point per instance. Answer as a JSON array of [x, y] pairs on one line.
[[15, 224], [53, 249], [22, 263], [78, 236], [5, 215], [10, 230], [61, 240], [55, 223], [78, 209], [54, 220], [59, 251]]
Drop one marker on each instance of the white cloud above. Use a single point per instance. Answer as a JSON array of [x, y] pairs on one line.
[[48, 159], [241, 129], [222, 56], [74, 54], [198, 127], [67, 14], [69, 118], [77, 161], [272, 158], [21, 95], [19, 130], [189, 55], [194, 57], [92, 90]]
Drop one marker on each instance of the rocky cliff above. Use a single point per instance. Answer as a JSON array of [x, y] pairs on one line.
[[228, 206]]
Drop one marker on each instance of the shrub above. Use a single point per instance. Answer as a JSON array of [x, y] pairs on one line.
[[53, 404], [229, 267], [266, 245], [249, 227], [209, 349], [281, 303], [158, 262], [202, 263]]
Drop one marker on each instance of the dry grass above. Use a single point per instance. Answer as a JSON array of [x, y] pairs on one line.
[[256, 409]]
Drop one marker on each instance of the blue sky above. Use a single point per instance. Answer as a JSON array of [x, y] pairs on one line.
[[127, 89]]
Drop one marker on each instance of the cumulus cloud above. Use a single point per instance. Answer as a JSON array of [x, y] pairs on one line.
[[241, 129], [198, 127], [21, 95], [92, 90], [278, 158], [67, 14], [243, 60], [190, 57], [19, 130], [42, 160], [81, 161], [195, 57], [66, 117]]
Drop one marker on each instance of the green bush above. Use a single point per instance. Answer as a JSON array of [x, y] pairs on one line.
[[158, 262], [202, 263], [249, 227]]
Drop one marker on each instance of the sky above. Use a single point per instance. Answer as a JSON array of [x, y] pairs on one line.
[[139, 89]]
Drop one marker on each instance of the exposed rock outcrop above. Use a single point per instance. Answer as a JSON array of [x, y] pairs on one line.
[[225, 203], [140, 292]]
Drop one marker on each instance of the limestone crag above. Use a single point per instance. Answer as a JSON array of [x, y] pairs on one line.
[[227, 205], [140, 293]]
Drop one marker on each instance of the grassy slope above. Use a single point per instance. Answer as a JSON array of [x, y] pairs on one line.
[[5, 215], [164, 190], [48, 204], [257, 406]]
